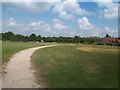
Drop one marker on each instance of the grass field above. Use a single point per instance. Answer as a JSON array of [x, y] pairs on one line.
[[82, 66], [10, 48], [0, 53]]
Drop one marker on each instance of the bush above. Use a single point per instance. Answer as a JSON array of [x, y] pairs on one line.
[[118, 44], [84, 43], [89, 43], [99, 43], [110, 44]]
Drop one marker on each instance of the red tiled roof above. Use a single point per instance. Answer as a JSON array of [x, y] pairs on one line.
[[110, 40]]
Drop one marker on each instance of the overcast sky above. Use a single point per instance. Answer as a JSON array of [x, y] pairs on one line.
[[63, 18]]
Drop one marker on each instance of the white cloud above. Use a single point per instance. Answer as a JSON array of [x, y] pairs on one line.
[[46, 28], [31, 0], [68, 9], [58, 24], [40, 25], [35, 28], [54, 32], [65, 15], [107, 28], [113, 32], [31, 6], [11, 19], [11, 22], [95, 33], [57, 0], [73, 7], [35, 24], [103, 0], [84, 24], [56, 20], [109, 10], [36, 7]]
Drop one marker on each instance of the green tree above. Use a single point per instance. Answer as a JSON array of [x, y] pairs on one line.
[[76, 39], [32, 37], [107, 35], [8, 36], [38, 38]]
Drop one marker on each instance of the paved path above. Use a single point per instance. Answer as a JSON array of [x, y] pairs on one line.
[[19, 72]]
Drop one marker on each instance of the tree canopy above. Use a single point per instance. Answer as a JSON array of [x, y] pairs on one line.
[[10, 36]]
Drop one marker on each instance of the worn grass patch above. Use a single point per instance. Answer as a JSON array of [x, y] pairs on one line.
[[96, 49]]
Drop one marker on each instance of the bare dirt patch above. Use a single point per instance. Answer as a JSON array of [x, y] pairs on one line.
[[91, 49]]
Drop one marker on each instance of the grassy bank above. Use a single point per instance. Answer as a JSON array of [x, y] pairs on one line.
[[0, 52], [10, 48], [75, 67]]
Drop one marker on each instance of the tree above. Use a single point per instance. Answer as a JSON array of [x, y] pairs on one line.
[[8, 36], [76, 39], [107, 35], [0, 36], [18, 37], [32, 37], [38, 38]]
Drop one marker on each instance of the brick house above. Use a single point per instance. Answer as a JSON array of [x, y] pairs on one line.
[[111, 40]]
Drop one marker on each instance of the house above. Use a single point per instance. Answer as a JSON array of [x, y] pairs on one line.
[[111, 40]]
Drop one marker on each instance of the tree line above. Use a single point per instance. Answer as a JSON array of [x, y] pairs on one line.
[[10, 36]]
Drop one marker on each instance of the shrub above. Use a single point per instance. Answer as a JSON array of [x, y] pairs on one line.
[[110, 44], [99, 43], [118, 44]]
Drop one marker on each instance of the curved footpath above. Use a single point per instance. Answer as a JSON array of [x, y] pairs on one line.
[[19, 72]]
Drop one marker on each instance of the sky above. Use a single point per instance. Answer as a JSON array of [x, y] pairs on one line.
[[64, 18]]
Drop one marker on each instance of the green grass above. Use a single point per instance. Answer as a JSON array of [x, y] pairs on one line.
[[0, 52], [10, 48], [66, 67]]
